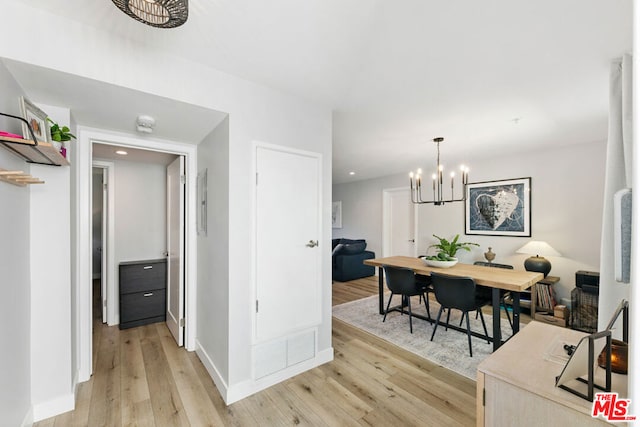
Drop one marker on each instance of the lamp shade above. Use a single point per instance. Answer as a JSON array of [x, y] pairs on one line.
[[538, 263], [538, 248]]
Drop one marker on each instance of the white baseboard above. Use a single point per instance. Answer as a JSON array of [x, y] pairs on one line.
[[247, 388], [28, 419], [220, 383], [53, 407]]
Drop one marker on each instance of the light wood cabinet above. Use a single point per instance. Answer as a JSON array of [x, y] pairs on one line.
[[516, 384]]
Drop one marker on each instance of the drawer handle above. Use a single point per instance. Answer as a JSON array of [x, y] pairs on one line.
[[148, 294], [147, 267]]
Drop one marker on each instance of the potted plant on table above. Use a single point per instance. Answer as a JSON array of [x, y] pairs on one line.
[[446, 251]]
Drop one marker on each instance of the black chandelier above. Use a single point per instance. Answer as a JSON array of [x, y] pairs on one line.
[[156, 13], [415, 180]]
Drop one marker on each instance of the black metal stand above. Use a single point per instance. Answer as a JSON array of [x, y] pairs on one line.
[[590, 381]]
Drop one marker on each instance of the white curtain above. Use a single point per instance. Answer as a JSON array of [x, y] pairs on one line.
[[617, 177]]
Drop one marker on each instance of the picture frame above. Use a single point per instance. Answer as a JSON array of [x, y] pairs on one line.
[[499, 208], [37, 119], [336, 214]]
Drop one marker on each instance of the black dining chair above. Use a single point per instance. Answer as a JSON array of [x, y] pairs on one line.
[[457, 293], [485, 291], [402, 281]]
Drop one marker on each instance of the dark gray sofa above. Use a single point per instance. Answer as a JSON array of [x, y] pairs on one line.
[[348, 256]]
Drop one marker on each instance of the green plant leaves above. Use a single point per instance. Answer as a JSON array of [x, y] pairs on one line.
[[60, 134], [450, 248]]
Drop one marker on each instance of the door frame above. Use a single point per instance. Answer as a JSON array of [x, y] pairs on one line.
[[81, 158], [108, 256], [386, 220]]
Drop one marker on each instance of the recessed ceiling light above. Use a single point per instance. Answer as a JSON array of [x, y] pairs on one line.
[[121, 152], [352, 173]]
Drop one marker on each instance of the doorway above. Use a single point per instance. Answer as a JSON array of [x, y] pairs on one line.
[[102, 231], [399, 225], [82, 156], [139, 222]]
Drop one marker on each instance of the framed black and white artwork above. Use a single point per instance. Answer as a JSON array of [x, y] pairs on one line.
[[499, 208], [336, 214]]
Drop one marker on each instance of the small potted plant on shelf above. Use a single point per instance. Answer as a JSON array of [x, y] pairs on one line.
[[60, 135], [446, 251]]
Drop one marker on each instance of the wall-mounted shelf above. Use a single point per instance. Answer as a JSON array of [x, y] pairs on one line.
[[43, 153], [18, 178]]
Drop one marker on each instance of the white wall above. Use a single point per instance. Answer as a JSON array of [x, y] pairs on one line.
[[566, 207], [15, 286], [140, 210], [258, 114], [213, 254], [50, 228]]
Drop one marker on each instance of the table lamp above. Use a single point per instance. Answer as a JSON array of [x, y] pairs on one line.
[[538, 263]]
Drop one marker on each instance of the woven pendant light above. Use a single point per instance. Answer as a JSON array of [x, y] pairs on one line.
[[156, 13]]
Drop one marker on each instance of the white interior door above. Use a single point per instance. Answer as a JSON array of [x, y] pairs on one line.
[[103, 245], [288, 228], [175, 249], [399, 223]]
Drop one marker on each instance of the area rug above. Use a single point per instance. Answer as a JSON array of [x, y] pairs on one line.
[[449, 348]]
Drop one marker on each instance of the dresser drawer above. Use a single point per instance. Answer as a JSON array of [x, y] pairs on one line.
[[143, 305], [142, 276]]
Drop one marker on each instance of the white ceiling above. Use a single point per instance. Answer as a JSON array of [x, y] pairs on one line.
[[489, 76]]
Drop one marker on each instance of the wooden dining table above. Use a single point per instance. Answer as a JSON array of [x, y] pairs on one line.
[[514, 281]]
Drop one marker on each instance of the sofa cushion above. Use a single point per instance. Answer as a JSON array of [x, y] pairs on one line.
[[353, 248], [337, 249], [351, 241]]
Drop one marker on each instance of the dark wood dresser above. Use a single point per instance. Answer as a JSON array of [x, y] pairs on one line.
[[143, 292]]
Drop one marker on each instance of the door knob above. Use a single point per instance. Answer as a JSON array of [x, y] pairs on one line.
[[411, 240], [312, 244]]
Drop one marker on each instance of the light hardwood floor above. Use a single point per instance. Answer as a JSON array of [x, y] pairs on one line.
[[143, 379]]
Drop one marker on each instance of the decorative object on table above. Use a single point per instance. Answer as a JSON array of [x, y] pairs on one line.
[[446, 252], [499, 208], [415, 182], [37, 120], [538, 263], [489, 256], [619, 357], [157, 13], [336, 214], [439, 263], [619, 348]]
